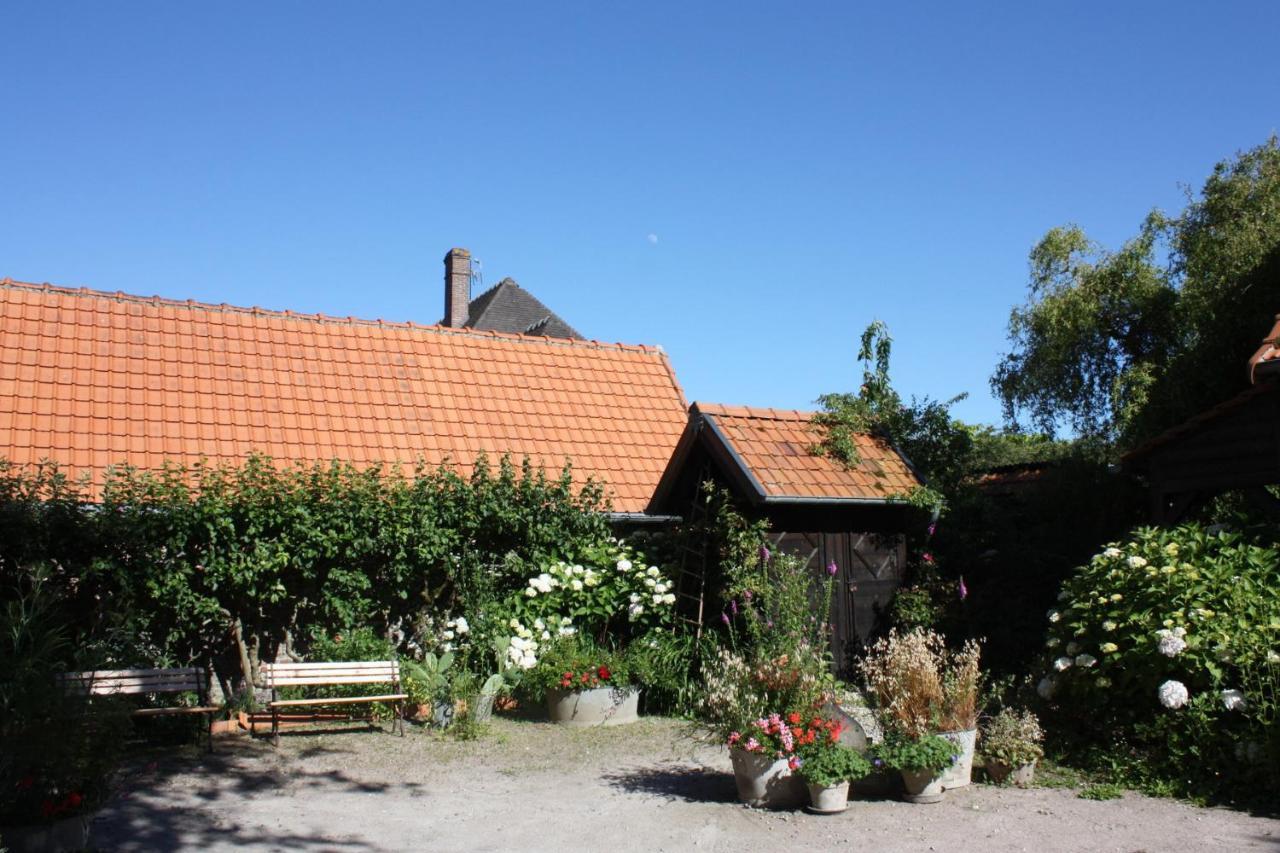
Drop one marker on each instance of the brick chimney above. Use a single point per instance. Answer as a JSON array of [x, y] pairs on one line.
[[457, 287]]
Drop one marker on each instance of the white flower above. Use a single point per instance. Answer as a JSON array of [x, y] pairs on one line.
[[624, 565], [448, 635], [575, 585], [1273, 657], [1108, 648], [669, 598], [650, 582], [527, 661], [657, 599], [1073, 648], [1179, 631], [1103, 681], [591, 578], [514, 624], [635, 597], [546, 635], [635, 610], [1108, 625], [1052, 642], [567, 631], [1136, 562], [1233, 700], [461, 626], [530, 591], [1085, 661], [660, 588], [447, 647], [1171, 645], [1046, 687], [1054, 615], [1173, 694], [1111, 553], [538, 624], [1062, 664], [652, 571]]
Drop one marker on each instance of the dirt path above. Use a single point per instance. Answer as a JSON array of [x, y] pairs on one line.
[[535, 787]]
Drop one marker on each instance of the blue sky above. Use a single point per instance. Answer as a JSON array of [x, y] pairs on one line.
[[745, 184]]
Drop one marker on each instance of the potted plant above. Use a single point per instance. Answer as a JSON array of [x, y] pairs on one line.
[[826, 766], [922, 688], [429, 687], [922, 762], [1011, 746], [585, 685], [765, 759]]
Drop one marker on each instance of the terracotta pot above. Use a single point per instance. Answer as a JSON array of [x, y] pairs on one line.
[[829, 799], [61, 836], [602, 706], [923, 786], [765, 782], [961, 773]]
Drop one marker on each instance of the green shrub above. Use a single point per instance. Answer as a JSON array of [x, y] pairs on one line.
[[1161, 659], [832, 766], [915, 755], [1013, 738]]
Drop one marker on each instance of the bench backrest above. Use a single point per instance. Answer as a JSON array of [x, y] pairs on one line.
[[103, 682], [289, 674]]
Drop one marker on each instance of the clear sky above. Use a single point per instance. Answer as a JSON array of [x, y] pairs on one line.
[[745, 184]]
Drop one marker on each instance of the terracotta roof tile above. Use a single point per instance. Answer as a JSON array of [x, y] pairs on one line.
[[93, 379], [773, 445]]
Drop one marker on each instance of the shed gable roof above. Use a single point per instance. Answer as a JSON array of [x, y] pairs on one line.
[[92, 379], [770, 450]]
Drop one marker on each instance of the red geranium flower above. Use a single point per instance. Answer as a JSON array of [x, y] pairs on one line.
[[74, 799], [604, 673], [793, 718]]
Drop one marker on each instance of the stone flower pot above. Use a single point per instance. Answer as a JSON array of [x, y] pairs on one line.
[[961, 773], [600, 706], [765, 782], [1022, 775], [829, 799], [923, 786], [62, 836]]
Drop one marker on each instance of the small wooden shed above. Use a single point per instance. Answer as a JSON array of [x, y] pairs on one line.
[[816, 507]]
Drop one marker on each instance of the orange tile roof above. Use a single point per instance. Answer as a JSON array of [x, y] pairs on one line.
[[92, 379], [773, 446]]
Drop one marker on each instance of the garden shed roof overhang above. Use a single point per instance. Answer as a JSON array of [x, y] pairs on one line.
[[767, 456]]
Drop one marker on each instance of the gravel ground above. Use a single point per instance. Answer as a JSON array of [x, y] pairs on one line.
[[535, 787]]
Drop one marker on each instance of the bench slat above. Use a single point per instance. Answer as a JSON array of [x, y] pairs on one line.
[[332, 680], [163, 712], [135, 673], [291, 703], [130, 688], [327, 664]]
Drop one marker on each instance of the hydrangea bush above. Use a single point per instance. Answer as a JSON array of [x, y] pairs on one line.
[[1172, 633]]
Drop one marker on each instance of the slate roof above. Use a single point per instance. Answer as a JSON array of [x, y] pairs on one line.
[[90, 379], [508, 307], [771, 450]]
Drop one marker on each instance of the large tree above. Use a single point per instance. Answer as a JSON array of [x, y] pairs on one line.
[[1122, 344]]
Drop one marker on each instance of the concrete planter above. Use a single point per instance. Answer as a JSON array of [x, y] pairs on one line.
[[1022, 775], [923, 786], [831, 799], [601, 706], [61, 836], [765, 782], [961, 773]]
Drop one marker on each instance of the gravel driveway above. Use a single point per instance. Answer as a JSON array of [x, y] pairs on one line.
[[536, 787]]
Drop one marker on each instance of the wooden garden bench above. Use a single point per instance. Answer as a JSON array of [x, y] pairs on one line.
[[137, 682], [327, 674]]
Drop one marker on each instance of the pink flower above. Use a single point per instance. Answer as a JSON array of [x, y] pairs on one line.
[[794, 762], [734, 737], [927, 557], [752, 745], [833, 569], [964, 590], [764, 554]]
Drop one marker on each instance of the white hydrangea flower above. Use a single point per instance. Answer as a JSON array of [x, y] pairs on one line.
[[1062, 664], [1108, 648], [650, 582], [1136, 562], [1108, 625], [657, 599], [669, 598], [635, 610], [1233, 700], [660, 588], [575, 585], [566, 631], [1173, 694], [1046, 688], [546, 635], [1170, 644], [1273, 657], [460, 625], [530, 591], [1054, 615], [514, 624], [636, 597], [1086, 660], [1052, 642], [448, 635], [1111, 553], [624, 565], [591, 578], [652, 571]]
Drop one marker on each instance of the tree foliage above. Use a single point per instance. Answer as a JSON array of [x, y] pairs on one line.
[[1119, 345]]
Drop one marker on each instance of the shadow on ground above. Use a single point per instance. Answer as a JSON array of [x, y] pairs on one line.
[[676, 782], [145, 814]]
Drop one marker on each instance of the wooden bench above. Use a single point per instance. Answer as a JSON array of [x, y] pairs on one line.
[[136, 682], [328, 674]]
